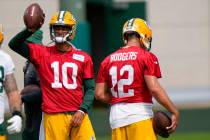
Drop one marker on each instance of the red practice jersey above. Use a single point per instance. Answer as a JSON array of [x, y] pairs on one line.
[[124, 71], [61, 76]]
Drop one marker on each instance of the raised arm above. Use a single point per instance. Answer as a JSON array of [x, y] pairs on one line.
[[18, 44]]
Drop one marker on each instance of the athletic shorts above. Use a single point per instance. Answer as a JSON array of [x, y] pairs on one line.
[[57, 127], [141, 130]]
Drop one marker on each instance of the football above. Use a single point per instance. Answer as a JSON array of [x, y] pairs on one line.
[[33, 16], [30, 89], [160, 121]]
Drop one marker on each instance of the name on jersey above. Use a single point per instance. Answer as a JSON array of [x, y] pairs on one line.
[[124, 56]]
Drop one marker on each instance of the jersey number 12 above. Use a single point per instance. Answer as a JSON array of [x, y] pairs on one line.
[[120, 93]]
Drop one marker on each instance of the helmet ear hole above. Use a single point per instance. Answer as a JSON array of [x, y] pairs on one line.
[[147, 43]]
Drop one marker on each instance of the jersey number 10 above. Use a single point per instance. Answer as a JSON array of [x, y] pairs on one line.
[[64, 67]]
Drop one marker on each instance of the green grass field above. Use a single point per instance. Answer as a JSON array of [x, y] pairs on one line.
[[179, 136]]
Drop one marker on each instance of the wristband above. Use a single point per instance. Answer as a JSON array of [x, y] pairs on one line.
[[17, 113], [81, 111]]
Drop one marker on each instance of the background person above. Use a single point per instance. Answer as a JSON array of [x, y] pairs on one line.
[[8, 85], [32, 101]]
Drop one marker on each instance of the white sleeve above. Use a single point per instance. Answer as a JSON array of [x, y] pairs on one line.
[[9, 67]]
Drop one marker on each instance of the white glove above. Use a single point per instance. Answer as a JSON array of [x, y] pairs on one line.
[[15, 124]]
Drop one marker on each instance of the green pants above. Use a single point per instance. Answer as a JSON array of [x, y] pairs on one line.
[[2, 129], [34, 135]]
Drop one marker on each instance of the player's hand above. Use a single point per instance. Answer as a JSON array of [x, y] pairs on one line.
[[15, 124], [40, 24], [34, 17], [33, 30], [174, 123], [77, 119]]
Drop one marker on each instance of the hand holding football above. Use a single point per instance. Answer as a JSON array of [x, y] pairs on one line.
[[33, 17], [160, 121]]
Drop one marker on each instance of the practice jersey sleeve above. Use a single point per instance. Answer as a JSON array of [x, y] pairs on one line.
[[88, 68], [152, 66], [9, 67], [101, 78], [35, 51]]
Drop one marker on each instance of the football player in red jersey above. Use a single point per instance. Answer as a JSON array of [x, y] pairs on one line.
[[63, 71], [127, 79]]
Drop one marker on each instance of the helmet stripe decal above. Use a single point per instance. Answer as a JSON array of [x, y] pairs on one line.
[[130, 22], [61, 16]]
